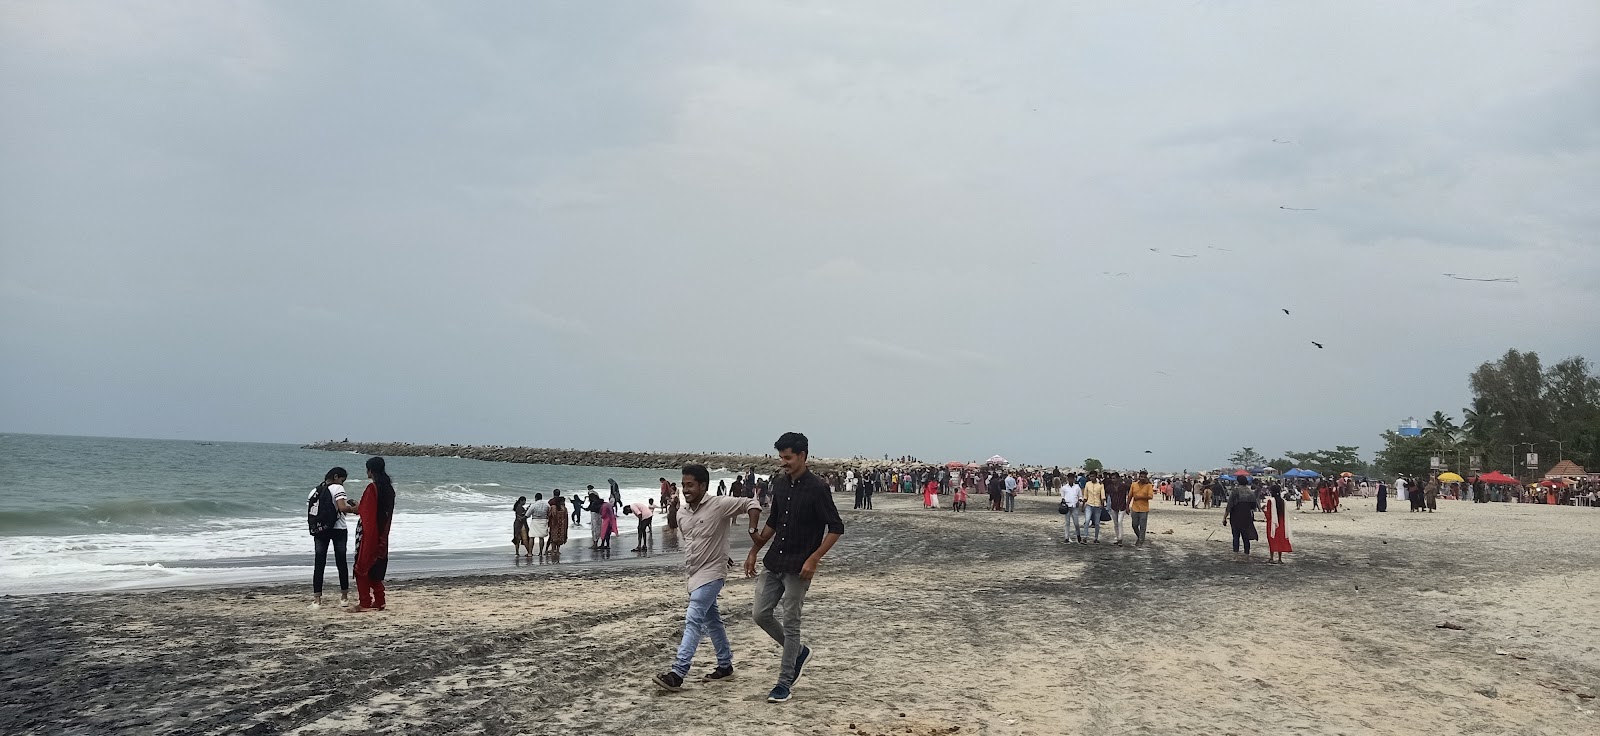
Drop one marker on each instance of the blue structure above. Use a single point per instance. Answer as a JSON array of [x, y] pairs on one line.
[[1411, 427]]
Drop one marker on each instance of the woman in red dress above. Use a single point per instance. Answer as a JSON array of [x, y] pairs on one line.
[[376, 510], [1277, 527]]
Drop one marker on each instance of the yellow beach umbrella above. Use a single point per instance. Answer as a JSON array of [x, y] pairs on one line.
[[1450, 478]]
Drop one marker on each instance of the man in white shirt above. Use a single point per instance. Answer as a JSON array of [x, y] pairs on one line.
[[703, 528], [1011, 492], [539, 521], [1072, 526], [335, 532]]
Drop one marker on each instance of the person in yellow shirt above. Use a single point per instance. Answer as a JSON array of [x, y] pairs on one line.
[[1139, 496], [1094, 499]]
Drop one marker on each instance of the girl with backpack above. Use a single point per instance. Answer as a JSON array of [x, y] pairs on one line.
[[325, 510]]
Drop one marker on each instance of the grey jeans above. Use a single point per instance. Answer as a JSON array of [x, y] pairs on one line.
[[1140, 519], [783, 593]]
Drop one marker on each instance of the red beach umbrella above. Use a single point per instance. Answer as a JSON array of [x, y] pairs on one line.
[[1500, 478]]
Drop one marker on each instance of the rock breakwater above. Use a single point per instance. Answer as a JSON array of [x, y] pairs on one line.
[[587, 458]]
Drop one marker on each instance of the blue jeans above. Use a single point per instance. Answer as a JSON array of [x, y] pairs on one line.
[[1091, 516], [703, 618], [779, 597], [1011, 501]]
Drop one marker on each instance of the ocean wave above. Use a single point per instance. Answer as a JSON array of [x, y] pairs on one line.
[[121, 512]]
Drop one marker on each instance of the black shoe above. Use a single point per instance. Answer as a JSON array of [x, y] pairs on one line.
[[670, 682], [800, 663], [719, 674]]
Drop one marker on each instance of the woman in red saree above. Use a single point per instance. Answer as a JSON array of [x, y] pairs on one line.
[[930, 495], [1277, 527], [375, 510]]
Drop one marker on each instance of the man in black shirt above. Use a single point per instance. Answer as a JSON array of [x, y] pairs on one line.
[[805, 525]]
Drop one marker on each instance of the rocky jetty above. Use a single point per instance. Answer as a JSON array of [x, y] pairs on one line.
[[590, 458]]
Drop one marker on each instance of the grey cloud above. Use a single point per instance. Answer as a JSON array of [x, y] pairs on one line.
[[642, 225]]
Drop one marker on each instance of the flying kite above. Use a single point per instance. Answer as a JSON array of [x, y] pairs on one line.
[[1504, 280], [1297, 209], [1174, 255], [1318, 344]]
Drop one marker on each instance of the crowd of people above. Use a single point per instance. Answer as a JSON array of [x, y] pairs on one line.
[[803, 524]]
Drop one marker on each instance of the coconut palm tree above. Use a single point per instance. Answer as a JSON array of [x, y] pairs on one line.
[[1439, 424], [1479, 422], [1442, 430]]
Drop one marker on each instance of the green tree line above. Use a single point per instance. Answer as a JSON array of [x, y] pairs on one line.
[[1518, 406]]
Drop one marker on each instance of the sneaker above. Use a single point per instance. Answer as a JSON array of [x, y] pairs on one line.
[[669, 681], [779, 694], [800, 663], [719, 674]]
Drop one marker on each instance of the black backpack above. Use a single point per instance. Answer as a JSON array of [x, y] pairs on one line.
[[322, 521]]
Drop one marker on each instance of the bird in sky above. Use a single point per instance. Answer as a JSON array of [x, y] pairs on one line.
[[1285, 311], [1174, 255], [1148, 452], [1318, 344], [952, 421], [1275, 140], [1297, 209], [1224, 250]]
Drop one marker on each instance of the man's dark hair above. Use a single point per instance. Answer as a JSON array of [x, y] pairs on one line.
[[538, 496], [698, 472], [793, 442]]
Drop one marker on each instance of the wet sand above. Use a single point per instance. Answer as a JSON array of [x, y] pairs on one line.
[[923, 623]]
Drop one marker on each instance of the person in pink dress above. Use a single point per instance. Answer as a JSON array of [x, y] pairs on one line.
[[1277, 527], [608, 524]]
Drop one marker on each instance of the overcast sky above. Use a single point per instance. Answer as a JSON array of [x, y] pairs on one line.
[[898, 227]]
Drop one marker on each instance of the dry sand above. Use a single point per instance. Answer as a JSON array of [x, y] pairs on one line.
[[923, 623]]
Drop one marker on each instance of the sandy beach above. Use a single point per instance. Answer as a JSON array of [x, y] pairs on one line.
[[923, 623]]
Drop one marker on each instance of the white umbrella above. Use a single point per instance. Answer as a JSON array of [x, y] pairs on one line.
[[997, 460]]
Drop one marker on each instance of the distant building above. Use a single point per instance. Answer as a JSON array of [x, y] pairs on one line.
[[1411, 427]]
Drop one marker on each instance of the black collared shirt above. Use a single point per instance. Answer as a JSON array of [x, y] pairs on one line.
[[802, 510]]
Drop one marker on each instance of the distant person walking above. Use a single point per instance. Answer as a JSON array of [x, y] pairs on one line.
[[1383, 498], [375, 512], [325, 511], [1240, 516], [616, 492], [1094, 501], [1072, 507], [803, 526], [705, 540], [1117, 499], [1139, 494]]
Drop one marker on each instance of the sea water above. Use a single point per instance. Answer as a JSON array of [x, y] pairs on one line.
[[90, 513]]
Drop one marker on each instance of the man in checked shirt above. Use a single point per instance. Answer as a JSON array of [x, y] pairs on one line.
[[805, 525]]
